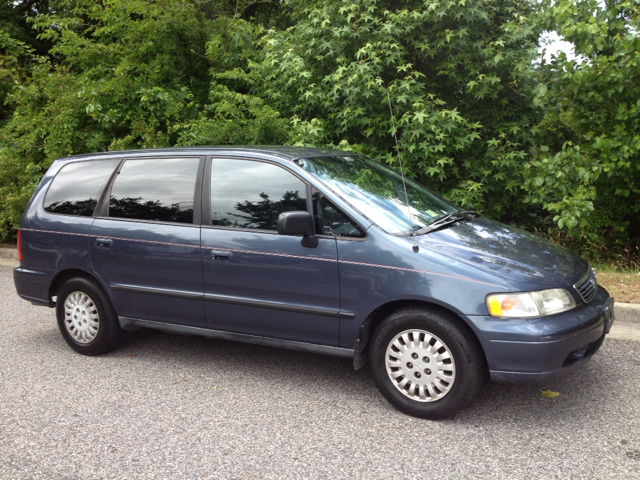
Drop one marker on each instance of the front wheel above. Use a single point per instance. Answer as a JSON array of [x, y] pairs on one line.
[[425, 363], [86, 318]]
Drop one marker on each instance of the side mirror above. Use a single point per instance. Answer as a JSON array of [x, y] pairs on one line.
[[298, 223]]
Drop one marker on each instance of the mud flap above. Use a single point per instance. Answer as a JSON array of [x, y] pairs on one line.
[[360, 357]]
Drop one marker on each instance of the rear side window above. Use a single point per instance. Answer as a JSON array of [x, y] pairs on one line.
[[250, 194], [77, 187], [162, 190]]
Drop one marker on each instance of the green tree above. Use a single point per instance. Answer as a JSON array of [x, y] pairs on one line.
[[458, 74], [19, 44], [130, 74], [16, 18], [15, 59], [587, 170]]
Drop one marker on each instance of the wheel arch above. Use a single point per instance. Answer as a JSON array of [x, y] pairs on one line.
[[63, 276], [377, 316]]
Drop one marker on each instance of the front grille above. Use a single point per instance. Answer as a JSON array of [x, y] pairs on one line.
[[587, 287]]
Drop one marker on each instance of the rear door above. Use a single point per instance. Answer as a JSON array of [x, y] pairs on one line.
[[256, 281], [145, 244]]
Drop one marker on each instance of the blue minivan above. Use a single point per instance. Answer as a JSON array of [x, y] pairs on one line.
[[310, 249]]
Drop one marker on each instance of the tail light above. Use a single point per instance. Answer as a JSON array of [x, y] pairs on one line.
[[19, 245]]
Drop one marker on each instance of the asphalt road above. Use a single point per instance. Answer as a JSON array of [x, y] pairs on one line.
[[168, 406]]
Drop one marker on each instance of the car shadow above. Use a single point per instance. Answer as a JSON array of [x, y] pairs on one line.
[[582, 394]]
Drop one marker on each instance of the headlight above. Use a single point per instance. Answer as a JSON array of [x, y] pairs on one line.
[[530, 304]]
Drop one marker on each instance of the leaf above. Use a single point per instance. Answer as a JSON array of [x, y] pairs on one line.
[[549, 394]]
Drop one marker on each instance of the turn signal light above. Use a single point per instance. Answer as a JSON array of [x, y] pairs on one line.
[[529, 304]]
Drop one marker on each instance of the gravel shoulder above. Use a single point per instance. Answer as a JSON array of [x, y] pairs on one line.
[[168, 406]]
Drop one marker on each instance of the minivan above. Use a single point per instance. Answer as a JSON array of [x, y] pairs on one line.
[[312, 249]]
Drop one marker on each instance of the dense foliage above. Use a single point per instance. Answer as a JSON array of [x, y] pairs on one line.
[[478, 116], [587, 169], [457, 74], [128, 74]]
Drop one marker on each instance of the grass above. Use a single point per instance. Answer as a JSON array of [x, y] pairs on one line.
[[623, 285]]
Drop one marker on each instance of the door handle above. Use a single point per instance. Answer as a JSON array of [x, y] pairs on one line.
[[104, 242], [221, 255]]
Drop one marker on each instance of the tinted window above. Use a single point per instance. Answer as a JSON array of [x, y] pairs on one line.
[[330, 220], [247, 194], [77, 187], [155, 189]]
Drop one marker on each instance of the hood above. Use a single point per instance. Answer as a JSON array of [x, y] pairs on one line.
[[526, 260]]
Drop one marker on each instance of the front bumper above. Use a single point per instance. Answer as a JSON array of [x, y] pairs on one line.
[[543, 349]]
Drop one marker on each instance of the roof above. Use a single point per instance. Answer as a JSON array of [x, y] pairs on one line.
[[282, 151]]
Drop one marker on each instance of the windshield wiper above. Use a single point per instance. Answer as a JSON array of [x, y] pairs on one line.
[[449, 219]]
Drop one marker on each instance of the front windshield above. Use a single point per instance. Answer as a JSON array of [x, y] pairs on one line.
[[377, 192]]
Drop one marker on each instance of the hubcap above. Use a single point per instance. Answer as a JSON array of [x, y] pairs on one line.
[[420, 365], [81, 317]]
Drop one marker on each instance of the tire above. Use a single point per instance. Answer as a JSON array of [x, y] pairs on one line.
[[404, 349], [86, 318]]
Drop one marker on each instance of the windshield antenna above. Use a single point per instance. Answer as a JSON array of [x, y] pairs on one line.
[[406, 197]]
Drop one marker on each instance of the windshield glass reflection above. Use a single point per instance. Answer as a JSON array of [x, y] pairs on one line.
[[377, 192]]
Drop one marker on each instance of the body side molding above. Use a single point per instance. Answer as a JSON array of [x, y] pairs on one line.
[[246, 302], [288, 307], [155, 291]]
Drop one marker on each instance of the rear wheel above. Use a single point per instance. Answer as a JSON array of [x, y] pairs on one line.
[[86, 318], [425, 363]]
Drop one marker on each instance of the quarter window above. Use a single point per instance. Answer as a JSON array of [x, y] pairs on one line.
[[162, 190], [250, 194], [77, 187], [330, 220]]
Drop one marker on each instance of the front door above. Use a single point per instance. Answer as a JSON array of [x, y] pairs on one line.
[[256, 281]]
